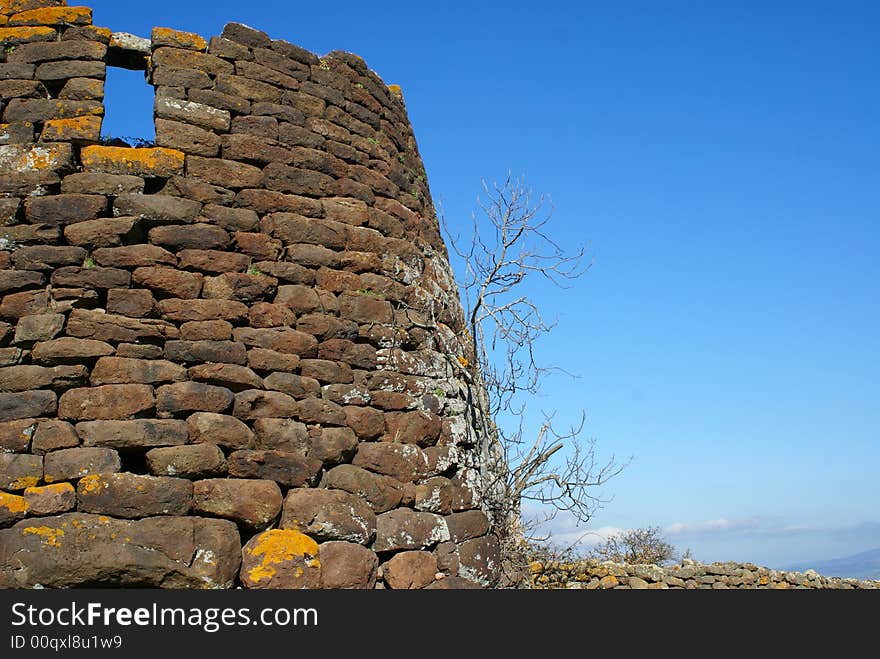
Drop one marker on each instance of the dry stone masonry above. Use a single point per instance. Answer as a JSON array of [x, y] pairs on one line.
[[234, 358], [690, 575]]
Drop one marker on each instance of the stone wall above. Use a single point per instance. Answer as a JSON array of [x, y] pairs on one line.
[[234, 358], [691, 575]]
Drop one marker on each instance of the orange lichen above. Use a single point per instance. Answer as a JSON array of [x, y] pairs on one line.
[[77, 128], [53, 16], [49, 535], [90, 484], [4, 20], [24, 482], [279, 546], [395, 90], [14, 504], [179, 39], [25, 34], [57, 488], [157, 162]]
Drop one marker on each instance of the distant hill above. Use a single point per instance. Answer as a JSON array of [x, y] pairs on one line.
[[859, 566]]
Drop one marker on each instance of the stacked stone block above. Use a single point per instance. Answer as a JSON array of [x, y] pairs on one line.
[[236, 357]]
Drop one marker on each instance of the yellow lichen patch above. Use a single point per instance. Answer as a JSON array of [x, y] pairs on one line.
[[34, 159], [90, 484], [13, 35], [279, 546], [12, 503], [396, 90], [49, 535], [104, 519], [53, 16], [164, 36], [4, 20], [24, 482], [86, 129], [57, 488], [99, 34], [156, 162]]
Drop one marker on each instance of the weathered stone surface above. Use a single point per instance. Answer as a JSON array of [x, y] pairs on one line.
[[178, 58], [247, 288], [186, 137], [117, 370], [158, 162], [403, 462], [329, 515], [254, 504], [69, 350], [213, 261], [19, 471], [410, 570], [333, 445], [111, 401], [156, 208], [367, 423], [133, 256], [96, 325], [323, 412], [46, 257], [233, 377], [288, 383], [64, 208], [261, 359], [169, 282], [264, 315], [480, 559], [281, 559], [281, 435], [467, 525], [405, 529], [453, 583], [193, 462], [381, 492], [131, 496], [51, 435], [345, 565], [225, 352], [208, 330], [134, 303], [16, 280], [136, 434], [73, 463], [253, 404], [193, 236], [228, 173], [434, 495], [12, 509], [188, 397], [101, 184], [200, 310], [87, 550], [16, 436], [162, 36], [197, 114], [24, 378], [224, 431], [50, 499], [286, 469], [27, 405], [421, 428]]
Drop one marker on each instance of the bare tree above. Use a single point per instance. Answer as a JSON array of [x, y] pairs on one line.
[[559, 471], [636, 546]]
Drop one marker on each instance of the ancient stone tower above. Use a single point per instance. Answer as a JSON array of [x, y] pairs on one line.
[[237, 357]]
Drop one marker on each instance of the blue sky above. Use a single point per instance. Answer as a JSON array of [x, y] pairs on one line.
[[721, 164]]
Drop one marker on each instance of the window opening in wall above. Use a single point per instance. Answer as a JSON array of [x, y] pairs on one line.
[[128, 109]]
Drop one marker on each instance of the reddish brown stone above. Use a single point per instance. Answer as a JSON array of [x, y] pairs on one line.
[[364, 308], [329, 515], [253, 404], [213, 261], [410, 570], [206, 330], [421, 428], [133, 256], [50, 499], [313, 410], [136, 434], [188, 397], [347, 566], [235, 378], [358, 355], [23, 378], [281, 559], [292, 385], [192, 236], [17, 305], [47, 257], [130, 496], [405, 529], [403, 462], [257, 245], [327, 327], [284, 340], [281, 435], [19, 471], [381, 492], [254, 504], [480, 560], [231, 219], [94, 324], [225, 431], [261, 359], [169, 281], [247, 288], [326, 372], [333, 445], [286, 469], [112, 401], [193, 462], [74, 463], [228, 173], [366, 422], [434, 495], [134, 303], [199, 310], [51, 435], [16, 436], [264, 314], [117, 370], [226, 352]]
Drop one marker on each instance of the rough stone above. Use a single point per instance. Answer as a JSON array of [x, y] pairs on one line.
[[187, 397], [282, 559], [329, 515], [345, 565], [404, 529], [19, 471], [193, 462], [130, 496], [410, 570], [111, 401], [381, 492], [74, 463], [50, 499], [224, 431], [131, 435], [255, 504]]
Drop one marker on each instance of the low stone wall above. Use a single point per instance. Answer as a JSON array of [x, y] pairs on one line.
[[597, 575]]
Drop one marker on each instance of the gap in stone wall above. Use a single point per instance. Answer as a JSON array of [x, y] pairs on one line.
[[128, 106]]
